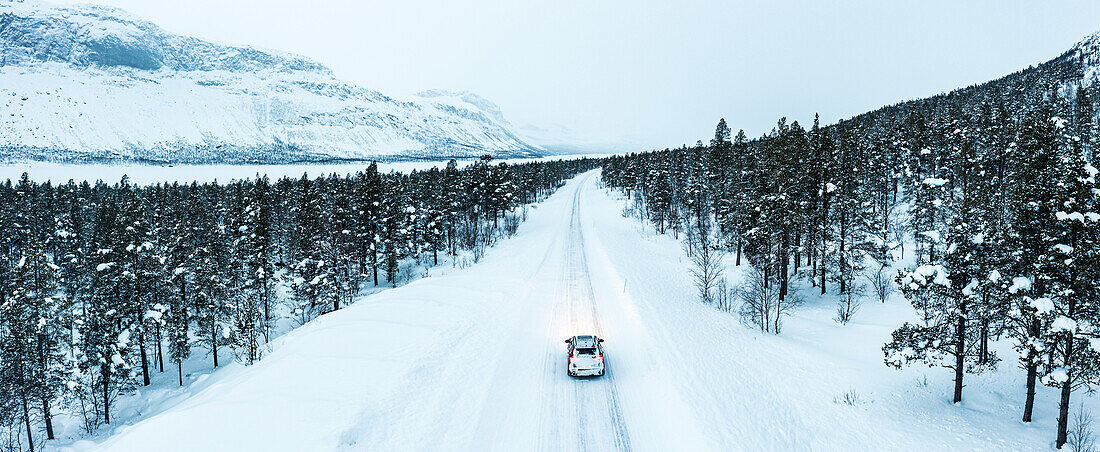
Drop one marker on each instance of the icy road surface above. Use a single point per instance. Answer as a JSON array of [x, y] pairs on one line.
[[475, 360]]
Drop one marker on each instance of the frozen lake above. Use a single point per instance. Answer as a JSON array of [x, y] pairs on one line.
[[60, 173]]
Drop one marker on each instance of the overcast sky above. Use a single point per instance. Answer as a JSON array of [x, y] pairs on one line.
[[651, 74]]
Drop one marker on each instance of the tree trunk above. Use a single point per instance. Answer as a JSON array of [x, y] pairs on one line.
[[451, 240], [784, 263], [797, 251], [105, 373], [43, 366], [783, 280], [824, 232], [811, 260], [1032, 371], [985, 341], [179, 368], [738, 250], [1063, 410], [144, 360], [374, 267], [960, 355], [214, 339], [763, 291], [778, 312], [48, 417], [27, 420], [823, 273], [160, 350], [1067, 387], [843, 262], [267, 308]]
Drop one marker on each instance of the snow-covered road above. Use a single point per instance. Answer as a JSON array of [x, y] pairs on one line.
[[534, 403], [475, 360], [568, 413]]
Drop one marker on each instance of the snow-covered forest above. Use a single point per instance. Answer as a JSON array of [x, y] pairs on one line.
[[990, 196], [105, 285]]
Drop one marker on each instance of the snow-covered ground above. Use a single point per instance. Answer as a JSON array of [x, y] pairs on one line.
[[166, 391], [152, 174], [474, 360]]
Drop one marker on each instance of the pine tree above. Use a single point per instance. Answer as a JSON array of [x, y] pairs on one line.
[[434, 220], [393, 230], [105, 338], [177, 328], [369, 200], [179, 264], [719, 163], [658, 196], [341, 246], [209, 286], [1034, 158], [850, 221], [1085, 126], [740, 192], [30, 356], [1074, 269], [258, 250], [134, 250], [451, 202], [245, 316], [948, 290], [311, 281]]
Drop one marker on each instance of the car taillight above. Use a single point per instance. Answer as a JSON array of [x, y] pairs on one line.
[[572, 359], [599, 359]]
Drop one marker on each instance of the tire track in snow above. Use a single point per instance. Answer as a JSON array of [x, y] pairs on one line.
[[501, 424], [580, 414], [580, 285], [622, 436], [536, 405], [551, 410]]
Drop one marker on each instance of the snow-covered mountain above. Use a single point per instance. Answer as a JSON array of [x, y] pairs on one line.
[[1086, 54], [85, 83]]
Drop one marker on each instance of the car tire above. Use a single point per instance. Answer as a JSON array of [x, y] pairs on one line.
[[601, 373]]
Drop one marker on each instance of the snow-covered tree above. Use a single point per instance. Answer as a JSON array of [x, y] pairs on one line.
[[1073, 268]]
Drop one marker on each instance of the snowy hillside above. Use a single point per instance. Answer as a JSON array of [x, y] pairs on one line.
[[1087, 54], [81, 83]]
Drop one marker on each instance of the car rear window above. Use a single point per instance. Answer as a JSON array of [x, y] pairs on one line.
[[585, 352]]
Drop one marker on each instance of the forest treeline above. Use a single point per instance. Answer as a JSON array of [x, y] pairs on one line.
[[102, 285], [986, 201]]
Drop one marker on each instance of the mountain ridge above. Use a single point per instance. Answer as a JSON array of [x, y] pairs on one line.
[[93, 83], [1062, 76]]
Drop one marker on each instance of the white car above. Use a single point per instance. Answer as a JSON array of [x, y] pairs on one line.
[[585, 356]]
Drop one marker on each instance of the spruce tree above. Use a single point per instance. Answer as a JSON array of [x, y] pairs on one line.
[[1073, 267], [104, 332], [1033, 160]]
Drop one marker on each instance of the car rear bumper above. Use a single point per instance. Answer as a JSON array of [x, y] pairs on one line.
[[586, 372]]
